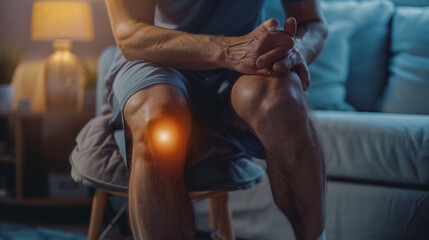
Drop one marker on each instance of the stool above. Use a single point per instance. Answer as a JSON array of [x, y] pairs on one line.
[[220, 215]]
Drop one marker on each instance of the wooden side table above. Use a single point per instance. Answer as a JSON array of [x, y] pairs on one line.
[[38, 143]]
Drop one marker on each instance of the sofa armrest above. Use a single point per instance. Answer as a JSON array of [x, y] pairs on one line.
[[376, 146]]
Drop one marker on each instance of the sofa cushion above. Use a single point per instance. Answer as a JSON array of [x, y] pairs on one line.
[[408, 86], [369, 48], [378, 147], [330, 70]]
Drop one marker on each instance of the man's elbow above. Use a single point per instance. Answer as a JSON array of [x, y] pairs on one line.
[[323, 28], [126, 50], [322, 33], [125, 39], [317, 25], [320, 28], [320, 25]]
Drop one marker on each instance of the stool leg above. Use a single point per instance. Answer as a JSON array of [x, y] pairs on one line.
[[97, 211], [220, 216], [213, 213]]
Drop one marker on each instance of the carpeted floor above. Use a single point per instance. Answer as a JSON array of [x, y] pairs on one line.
[[73, 221], [59, 223], [22, 232]]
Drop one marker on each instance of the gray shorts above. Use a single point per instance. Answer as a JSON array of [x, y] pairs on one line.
[[214, 143]]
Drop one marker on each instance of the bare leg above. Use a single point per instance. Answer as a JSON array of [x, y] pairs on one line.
[[275, 110], [159, 206]]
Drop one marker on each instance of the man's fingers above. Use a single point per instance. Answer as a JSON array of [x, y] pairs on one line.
[[272, 24], [293, 62], [281, 66], [266, 60], [264, 72], [306, 75], [303, 72], [290, 26], [284, 65]]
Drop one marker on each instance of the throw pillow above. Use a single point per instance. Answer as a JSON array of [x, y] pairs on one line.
[[369, 48], [330, 70], [408, 86]]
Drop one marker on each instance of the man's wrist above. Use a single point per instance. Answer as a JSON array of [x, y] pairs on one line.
[[221, 55], [299, 46], [310, 39]]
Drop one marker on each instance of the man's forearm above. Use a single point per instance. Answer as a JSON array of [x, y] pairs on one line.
[[171, 48], [310, 39]]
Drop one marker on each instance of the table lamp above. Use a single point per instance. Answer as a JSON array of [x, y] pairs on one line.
[[62, 22]]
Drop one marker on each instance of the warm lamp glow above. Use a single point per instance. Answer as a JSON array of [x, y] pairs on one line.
[[62, 20]]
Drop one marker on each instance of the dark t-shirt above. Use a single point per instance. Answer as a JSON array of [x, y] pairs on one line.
[[226, 17]]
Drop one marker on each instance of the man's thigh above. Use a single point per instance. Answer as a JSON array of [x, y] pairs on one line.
[[135, 76]]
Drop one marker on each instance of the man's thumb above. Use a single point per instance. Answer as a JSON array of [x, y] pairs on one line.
[[290, 26]]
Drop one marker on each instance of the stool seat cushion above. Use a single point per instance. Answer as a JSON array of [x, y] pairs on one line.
[[97, 162]]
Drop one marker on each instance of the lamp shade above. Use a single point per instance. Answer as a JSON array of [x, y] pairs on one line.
[[62, 20]]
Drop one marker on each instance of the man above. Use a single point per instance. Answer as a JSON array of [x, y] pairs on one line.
[[185, 60]]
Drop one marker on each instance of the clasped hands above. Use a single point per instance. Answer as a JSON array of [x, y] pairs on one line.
[[269, 51]]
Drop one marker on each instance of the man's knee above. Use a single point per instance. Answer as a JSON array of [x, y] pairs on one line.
[[159, 121], [259, 99]]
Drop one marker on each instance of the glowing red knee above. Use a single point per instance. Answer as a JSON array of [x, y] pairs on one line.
[[165, 136]]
